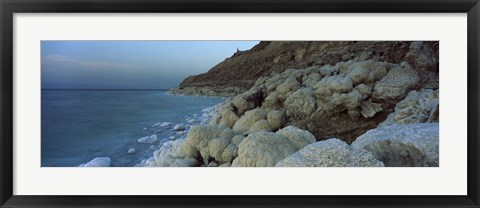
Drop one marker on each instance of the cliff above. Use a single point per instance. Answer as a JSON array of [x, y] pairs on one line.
[[239, 72]]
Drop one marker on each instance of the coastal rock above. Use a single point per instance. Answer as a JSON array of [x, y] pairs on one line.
[[228, 117], [170, 155], [261, 125], [240, 72], [396, 83], [208, 141], [421, 56], [299, 137], [179, 127], [250, 118], [263, 149], [131, 151], [403, 145], [418, 107], [300, 104], [276, 119], [148, 139], [369, 108], [330, 153], [98, 162]]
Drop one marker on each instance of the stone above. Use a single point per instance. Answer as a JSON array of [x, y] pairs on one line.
[[418, 107], [330, 153], [369, 108], [276, 119], [263, 149], [299, 137], [179, 127], [261, 125], [228, 117], [395, 84], [403, 145], [301, 104], [250, 118]]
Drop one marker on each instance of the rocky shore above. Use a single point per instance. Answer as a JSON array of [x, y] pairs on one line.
[[357, 105]]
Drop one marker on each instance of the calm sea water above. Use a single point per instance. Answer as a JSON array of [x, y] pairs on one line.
[[79, 125]]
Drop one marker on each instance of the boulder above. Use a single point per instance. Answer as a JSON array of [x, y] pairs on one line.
[[300, 104], [403, 145], [276, 119], [396, 83], [207, 141], [330, 153], [261, 125], [179, 127], [250, 118], [228, 117], [263, 149], [422, 57], [369, 108], [299, 137], [418, 107]]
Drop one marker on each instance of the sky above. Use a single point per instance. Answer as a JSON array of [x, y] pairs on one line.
[[130, 64]]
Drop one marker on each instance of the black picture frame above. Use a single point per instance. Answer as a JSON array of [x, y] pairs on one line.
[[9, 7]]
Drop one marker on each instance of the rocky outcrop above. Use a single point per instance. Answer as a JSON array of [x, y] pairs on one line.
[[330, 153], [418, 107], [238, 73], [309, 116], [403, 145]]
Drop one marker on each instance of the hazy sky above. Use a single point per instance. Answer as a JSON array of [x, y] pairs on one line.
[[130, 64]]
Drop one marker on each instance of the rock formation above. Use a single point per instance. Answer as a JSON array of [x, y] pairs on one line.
[[316, 104]]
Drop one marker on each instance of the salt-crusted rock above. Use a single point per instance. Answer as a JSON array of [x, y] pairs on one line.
[[148, 139], [179, 127], [261, 125], [207, 141], [300, 104], [418, 107], [250, 118], [263, 149], [367, 71], [311, 80], [288, 87], [330, 153], [228, 117], [420, 56], [396, 83], [171, 137], [401, 145], [299, 137], [276, 119], [272, 101], [170, 155], [327, 70], [131, 151], [334, 84], [98, 162], [369, 108], [237, 139], [242, 105]]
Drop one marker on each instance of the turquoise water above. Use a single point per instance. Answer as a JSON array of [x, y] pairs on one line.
[[79, 125]]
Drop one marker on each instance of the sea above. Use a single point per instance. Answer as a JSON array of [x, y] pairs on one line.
[[80, 125]]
